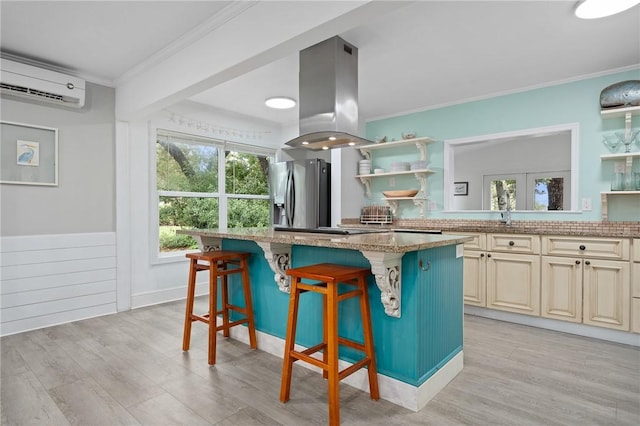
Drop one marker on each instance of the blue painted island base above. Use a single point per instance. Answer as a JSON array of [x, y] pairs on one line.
[[416, 302]]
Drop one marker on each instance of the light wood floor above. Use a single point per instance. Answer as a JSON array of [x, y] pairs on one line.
[[129, 368]]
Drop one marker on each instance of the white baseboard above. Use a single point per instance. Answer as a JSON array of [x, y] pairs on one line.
[[400, 393], [616, 336], [167, 295]]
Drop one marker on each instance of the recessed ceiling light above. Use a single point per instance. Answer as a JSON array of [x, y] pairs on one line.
[[305, 143], [325, 147], [280, 102], [332, 138], [592, 9]]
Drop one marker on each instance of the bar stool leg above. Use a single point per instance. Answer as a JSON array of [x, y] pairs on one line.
[[213, 307], [191, 289], [225, 302], [290, 341], [325, 336], [372, 369], [332, 349], [248, 304]]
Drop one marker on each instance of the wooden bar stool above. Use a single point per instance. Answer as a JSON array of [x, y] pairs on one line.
[[217, 263], [327, 277]]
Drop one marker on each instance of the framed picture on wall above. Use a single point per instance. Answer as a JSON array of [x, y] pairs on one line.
[[28, 154], [460, 188]]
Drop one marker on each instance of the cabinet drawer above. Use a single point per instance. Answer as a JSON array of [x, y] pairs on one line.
[[636, 250], [604, 248], [514, 243], [478, 242]]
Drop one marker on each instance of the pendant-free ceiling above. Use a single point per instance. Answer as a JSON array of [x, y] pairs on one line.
[[592, 9]]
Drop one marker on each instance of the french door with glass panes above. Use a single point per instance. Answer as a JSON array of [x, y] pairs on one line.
[[540, 191]]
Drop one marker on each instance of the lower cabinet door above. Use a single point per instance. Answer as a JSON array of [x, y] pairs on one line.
[[475, 278], [513, 282], [635, 314], [561, 288], [606, 293]]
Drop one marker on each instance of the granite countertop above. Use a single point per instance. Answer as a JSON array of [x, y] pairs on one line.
[[388, 241], [568, 228]]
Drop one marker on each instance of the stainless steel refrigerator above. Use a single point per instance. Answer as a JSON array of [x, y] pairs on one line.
[[301, 193]]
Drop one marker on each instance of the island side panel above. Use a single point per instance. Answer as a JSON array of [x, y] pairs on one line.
[[394, 338], [439, 297], [409, 348]]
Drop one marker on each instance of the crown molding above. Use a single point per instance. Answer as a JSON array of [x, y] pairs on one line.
[[214, 22]]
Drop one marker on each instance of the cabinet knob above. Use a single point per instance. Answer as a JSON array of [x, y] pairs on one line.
[[577, 262], [586, 262], [582, 247], [489, 255], [511, 243], [481, 254]]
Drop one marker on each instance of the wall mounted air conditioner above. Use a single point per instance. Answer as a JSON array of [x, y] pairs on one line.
[[35, 83]]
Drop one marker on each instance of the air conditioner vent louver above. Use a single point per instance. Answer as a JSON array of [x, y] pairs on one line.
[[27, 81], [33, 92]]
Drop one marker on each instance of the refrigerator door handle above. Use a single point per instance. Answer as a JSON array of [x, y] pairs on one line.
[[289, 198]]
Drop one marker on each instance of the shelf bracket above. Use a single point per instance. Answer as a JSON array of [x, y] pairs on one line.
[[422, 148], [367, 185], [422, 178], [420, 203], [394, 206], [365, 153]]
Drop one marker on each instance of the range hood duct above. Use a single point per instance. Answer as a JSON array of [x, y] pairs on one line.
[[328, 92]]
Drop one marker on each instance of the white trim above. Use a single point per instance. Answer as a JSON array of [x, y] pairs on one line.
[[504, 93], [616, 336], [213, 23], [156, 297], [123, 217], [572, 128]]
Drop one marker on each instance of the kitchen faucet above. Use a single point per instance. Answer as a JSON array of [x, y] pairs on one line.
[[506, 215]]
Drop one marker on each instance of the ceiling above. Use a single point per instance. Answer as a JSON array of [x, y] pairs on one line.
[[422, 55]]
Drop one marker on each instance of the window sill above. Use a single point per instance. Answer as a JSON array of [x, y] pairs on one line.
[[171, 257]]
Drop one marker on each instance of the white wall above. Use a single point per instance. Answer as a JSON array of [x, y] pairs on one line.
[[84, 200]]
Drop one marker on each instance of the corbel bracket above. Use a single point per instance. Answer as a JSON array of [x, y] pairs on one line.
[[279, 257], [387, 268]]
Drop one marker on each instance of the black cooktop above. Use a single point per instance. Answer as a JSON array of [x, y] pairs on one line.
[[327, 230]]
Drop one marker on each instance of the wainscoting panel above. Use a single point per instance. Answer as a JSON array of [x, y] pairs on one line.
[[53, 279]]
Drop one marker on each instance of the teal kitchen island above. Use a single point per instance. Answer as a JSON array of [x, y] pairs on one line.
[[415, 295]]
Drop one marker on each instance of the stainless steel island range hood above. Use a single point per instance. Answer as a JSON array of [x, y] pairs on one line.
[[328, 92]]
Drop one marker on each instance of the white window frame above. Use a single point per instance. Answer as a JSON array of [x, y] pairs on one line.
[[158, 257]]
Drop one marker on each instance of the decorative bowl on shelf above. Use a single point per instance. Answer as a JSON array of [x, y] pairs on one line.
[[380, 139], [401, 193], [378, 171], [408, 135]]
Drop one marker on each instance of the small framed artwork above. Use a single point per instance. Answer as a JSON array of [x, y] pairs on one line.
[[460, 188], [28, 154]]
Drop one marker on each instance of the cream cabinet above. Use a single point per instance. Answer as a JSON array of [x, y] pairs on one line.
[[635, 287], [606, 294], [582, 283], [561, 288], [502, 271], [475, 269], [513, 282], [513, 273]]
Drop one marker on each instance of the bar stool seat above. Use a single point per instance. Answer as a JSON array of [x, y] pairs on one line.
[[218, 264], [327, 276]]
